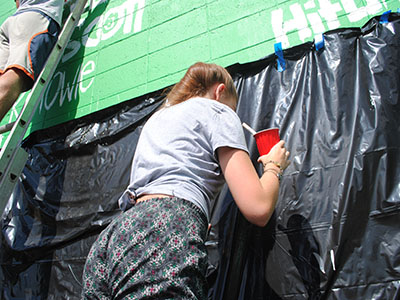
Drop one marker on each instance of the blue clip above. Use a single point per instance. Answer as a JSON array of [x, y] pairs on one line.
[[319, 42], [279, 53], [385, 17], [398, 10]]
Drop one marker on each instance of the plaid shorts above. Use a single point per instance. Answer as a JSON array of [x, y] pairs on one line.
[[155, 250]]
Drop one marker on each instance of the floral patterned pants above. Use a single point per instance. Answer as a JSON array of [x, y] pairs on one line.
[[155, 250]]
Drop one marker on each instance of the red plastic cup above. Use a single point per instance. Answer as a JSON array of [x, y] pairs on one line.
[[266, 139]]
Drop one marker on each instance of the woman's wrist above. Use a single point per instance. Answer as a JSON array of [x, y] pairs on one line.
[[277, 173], [277, 164], [274, 165]]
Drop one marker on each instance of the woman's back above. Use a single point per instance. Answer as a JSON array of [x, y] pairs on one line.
[[176, 152]]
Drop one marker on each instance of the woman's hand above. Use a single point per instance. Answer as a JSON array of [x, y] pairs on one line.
[[278, 156]]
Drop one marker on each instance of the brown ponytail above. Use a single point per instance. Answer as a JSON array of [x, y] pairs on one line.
[[197, 81]]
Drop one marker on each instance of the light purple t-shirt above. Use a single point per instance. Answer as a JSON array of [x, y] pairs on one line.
[[176, 152], [52, 8]]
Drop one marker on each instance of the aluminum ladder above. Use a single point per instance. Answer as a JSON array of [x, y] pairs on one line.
[[12, 156]]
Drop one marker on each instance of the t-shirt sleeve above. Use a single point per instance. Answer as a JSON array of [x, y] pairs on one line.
[[227, 130]]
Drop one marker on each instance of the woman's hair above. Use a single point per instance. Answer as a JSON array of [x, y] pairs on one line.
[[197, 81]]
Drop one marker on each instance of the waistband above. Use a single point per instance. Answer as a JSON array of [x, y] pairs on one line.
[[186, 203]]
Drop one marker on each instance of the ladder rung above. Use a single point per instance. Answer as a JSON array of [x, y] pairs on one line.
[[11, 177], [6, 128]]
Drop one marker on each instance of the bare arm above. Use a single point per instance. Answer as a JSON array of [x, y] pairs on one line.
[[255, 197]]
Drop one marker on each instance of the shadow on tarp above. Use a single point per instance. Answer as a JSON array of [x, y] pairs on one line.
[[334, 233], [67, 194]]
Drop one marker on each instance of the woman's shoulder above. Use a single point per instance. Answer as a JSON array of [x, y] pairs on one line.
[[200, 109], [210, 105]]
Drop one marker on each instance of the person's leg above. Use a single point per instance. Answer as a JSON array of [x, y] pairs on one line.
[[26, 40], [12, 83]]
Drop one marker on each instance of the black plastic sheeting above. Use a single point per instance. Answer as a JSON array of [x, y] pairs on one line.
[[335, 231]]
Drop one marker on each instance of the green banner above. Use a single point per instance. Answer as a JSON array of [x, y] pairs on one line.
[[123, 49]]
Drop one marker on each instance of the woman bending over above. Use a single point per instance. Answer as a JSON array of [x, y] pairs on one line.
[[186, 152]]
